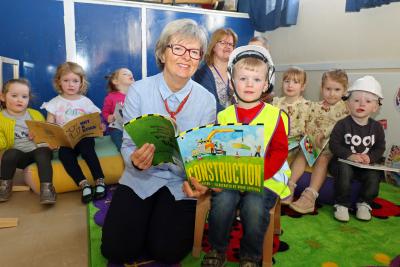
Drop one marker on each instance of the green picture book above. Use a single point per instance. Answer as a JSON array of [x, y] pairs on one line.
[[229, 156]]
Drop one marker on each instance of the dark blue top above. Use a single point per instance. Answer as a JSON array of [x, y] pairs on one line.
[[205, 77]]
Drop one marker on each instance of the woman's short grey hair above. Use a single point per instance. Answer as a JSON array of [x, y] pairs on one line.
[[185, 29]]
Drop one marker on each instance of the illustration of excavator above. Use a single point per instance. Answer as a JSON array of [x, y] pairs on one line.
[[206, 147]]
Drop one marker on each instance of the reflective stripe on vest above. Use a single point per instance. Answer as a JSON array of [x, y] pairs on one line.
[[270, 114]]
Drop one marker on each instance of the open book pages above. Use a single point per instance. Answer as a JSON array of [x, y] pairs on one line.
[[68, 135], [118, 117], [229, 156], [225, 156], [393, 160], [159, 130], [310, 149], [370, 166]]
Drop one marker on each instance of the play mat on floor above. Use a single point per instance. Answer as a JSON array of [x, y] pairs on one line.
[[307, 240]]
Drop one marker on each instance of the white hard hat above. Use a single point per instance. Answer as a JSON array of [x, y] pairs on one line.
[[367, 84], [254, 51]]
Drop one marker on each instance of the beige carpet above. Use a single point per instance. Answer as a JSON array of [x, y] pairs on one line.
[[46, 236]]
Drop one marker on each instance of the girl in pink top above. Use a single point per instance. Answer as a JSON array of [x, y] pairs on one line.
[[118, 84]]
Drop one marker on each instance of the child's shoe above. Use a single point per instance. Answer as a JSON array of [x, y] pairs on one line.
[[87, 192], [289, 199], [306, 203], [363, 211], [5, 189], [341, 213], [249, 263], [100, 189], [213, 259], [47, 193]]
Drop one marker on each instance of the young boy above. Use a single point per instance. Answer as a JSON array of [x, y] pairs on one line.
[[361, 139], [250, 73]]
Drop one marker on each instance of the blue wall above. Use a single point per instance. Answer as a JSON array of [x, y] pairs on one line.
[[34, 33], [107, 37]]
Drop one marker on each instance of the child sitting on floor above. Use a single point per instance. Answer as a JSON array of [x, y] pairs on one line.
[[361, 139], [323, 116]]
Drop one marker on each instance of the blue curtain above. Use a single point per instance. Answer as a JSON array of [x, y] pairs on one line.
[[267, 15], [356, 5]]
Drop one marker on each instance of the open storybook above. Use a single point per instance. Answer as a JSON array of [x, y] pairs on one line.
[[229, 156], [118, 117], [374, 166], [310, 149], [68, 135]]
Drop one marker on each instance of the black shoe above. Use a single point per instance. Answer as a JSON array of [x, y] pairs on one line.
[[89, 197], [100, 189]]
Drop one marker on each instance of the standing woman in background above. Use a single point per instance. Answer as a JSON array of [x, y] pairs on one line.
[[213, 74]]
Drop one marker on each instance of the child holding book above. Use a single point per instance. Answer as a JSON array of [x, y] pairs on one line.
[[118, 84], [16, 143], [296, 106], [250, 73], [292, 102], [361, 139], [71, 84], [323, 116]]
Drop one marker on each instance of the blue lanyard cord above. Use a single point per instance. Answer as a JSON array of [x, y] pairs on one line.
[[219, 74]]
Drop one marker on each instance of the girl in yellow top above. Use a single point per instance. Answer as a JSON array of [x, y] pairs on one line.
[[16, 143]]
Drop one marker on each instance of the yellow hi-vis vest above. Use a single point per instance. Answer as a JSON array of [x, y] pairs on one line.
[[269, 116]]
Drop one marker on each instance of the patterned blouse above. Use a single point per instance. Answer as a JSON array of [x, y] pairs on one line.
[[323, 118], [298, 113]]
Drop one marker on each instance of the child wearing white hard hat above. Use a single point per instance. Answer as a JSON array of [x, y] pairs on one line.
[[361, 139], [250, 71]]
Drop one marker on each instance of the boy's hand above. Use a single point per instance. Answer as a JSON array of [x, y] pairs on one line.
[[365, 158], [356, 158], [143, 157]]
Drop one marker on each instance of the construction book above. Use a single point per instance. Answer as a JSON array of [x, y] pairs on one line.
[[68, 135], [310, 149], [374, 166], [118, 117], [229, 156], [393, 161]]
